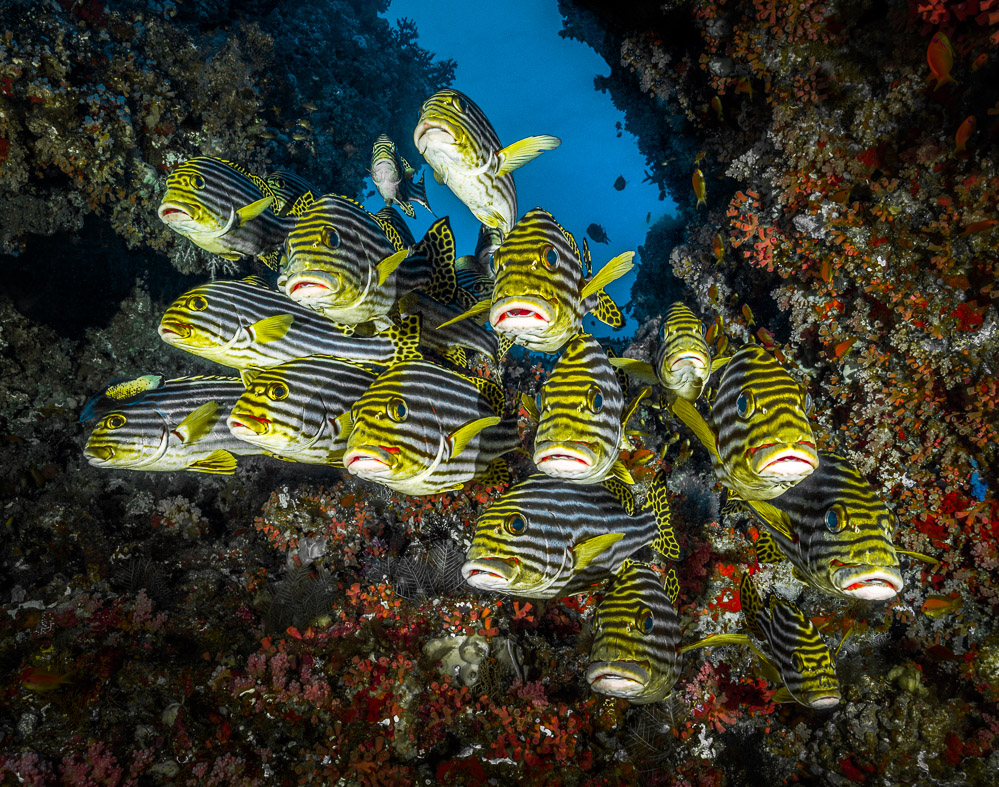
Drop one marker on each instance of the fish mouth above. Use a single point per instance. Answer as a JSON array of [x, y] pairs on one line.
[[370, 461], [99, 455], [311, 286], [567, 459], [175, 212], [173, 331], [490, 573], [429, 132], [618, 678], [867, 582], [241, 424], [822, 698], [688, 360], [520, 315], [789, 462]]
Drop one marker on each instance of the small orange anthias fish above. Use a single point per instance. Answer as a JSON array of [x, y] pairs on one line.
[[938, 606], [940, 56], [40, 679], [718, 247], [700, 189], [965, 130], [980, 61]]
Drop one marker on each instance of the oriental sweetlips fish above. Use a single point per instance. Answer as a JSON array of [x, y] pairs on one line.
[[635, 651], [836, 532], [440, 333], [475, 271], [178, 426], [246, 325], [393, 177], [290, 190], [421, 429], [460, 144], [683, 361], [300, 410], [759, 437], [541, 291], [546, 537], [352, 266], [224, 209], [581, 417], [802, 658]]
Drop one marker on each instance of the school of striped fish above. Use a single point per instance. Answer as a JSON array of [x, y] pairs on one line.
[[360, 357]]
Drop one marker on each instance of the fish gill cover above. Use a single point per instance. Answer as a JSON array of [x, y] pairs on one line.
[[289, 623]]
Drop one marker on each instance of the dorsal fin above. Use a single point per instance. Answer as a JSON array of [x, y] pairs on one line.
[[665, 542], [439, 247], [622, 494], [752, 605], [672, 586], [489, 390]]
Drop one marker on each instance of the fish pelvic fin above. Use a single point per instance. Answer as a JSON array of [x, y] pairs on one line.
[[519, 153], [478, 308], [587, 551], [752, 605], [218, 462], [694, 421]]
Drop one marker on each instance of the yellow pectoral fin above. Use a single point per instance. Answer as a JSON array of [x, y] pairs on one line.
[[477, 309], [344, 425], [630, 411], [519, 153], [270, 329], [254, 209], [613, 270], [932, 561], [718, 363], [695, 422], [531, 406], [772, 516], [248, 375], [586, 552], [387, 266], [218, 462], [621, 473], [782, 695], [640, 370], [335, 458], [199, 423], [460, 438], [714, 640]]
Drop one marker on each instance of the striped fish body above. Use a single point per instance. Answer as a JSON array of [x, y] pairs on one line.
[[547, 537], [581, 407], [290, 190], [802, 658], [475, 271], [541, 293], [459, 143], [352, 266], [224, 209], [393, 177], [635, 651], [466, 333], [836, 532], [246, 325], [765, 441], [179, 426], [421, 429], [298, 409], [683, 360]]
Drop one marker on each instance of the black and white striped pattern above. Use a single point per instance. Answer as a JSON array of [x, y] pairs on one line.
[[222, 320], [637, 635], [459, 143], [404, 424], [539, 278], [579, 434], [288, 188], [296, 409], [433, 313], [764, 440], [146, 434], [203, 196], [803, 659], [541, 558], [841, 532], [683, 360]]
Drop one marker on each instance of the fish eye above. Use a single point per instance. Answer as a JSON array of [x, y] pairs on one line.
[[646, 621], [836, 519], [809, 403], [456, 103], [798, 662], [197, 303], [492, 263], [745, 404], [396, 409], [277, 391], [515, 524], [329, 237], [539, 401], [594, 399], [549, 256], [662, 331], [114, 421], [197, 181]]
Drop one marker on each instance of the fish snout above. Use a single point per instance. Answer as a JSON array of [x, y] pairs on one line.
[[243, 424], [312, 285], [489, 573], [618, 678], [172, 331], [786, 462], [370, 461], [520, 315], [867, 582], [564, 459], [99, 454]]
